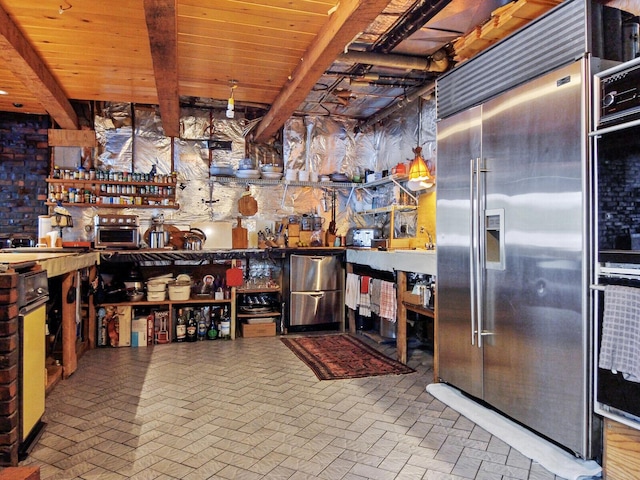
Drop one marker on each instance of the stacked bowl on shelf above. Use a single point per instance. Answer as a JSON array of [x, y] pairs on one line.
[[157, 288], [272, 172]]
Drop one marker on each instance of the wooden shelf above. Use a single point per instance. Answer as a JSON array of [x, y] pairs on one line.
[[93, 185], [74, 181], [112, 205], [275, 313], [427, 312], [145, 303], [258, 290]]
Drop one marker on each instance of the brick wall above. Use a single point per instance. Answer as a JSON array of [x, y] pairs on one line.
[[9, 353], [24, 165]]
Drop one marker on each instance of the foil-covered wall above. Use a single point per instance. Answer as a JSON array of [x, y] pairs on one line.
[[131, 139]]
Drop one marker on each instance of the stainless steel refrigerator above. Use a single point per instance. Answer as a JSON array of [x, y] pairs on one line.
[[512, 254], [316, 283]]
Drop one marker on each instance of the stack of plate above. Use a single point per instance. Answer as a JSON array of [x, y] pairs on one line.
[[272, 175], [248, 173]]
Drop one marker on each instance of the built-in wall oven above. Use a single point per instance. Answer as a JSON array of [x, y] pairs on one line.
[[616, 239], [33, 294]]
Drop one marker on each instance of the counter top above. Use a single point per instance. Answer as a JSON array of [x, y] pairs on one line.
[[417, 261], [54, 262]]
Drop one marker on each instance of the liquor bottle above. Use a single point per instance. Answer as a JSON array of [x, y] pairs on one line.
[[202, 325], [212, 332], [181, 327], [192, 328], [225, 324]]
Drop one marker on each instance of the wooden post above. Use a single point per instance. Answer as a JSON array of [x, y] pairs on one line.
[[401, 322], [69, 355], [351, 314]]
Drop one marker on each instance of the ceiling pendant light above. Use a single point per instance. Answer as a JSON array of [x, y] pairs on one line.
[[231, 102], [419, 175]]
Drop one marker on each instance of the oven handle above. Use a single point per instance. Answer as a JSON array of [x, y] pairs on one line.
[[614, 128], [33, 305]]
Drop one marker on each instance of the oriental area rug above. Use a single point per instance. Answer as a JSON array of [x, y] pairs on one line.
[[334, 357]]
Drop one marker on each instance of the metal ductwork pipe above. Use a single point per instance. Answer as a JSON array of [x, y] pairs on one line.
[[427, 89], [438, 62]]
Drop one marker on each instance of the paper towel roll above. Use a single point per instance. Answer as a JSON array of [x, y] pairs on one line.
[[44, 225]]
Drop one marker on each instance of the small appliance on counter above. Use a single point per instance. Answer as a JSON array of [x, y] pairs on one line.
[[117, 231], [362, 237]]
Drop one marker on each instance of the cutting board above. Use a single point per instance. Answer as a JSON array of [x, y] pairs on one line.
[[239, 236], [218, 235], [247, 205]]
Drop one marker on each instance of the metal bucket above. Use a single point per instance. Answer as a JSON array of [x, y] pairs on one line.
[[387, 328]]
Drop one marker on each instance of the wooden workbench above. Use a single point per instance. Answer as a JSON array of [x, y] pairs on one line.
[[66, 264]]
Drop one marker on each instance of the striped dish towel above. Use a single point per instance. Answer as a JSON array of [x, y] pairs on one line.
[[388, 303]]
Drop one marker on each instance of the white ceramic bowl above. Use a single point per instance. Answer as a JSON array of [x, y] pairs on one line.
[[272, 168]]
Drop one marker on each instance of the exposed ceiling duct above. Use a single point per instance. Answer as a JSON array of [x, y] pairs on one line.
[[438, 62]]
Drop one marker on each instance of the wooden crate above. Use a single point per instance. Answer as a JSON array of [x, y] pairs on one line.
[[259, 330]]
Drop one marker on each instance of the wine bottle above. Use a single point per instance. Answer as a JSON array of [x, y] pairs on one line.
[[225, 324], [181, 327], [192, 328]]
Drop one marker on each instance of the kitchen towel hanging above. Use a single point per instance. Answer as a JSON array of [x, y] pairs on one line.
[[388, 302], [620, 350]]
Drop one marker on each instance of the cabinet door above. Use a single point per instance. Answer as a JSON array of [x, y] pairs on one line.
[[312, 273], [313, 308]]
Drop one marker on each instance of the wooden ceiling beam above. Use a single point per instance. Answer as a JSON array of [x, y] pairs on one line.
[[162, 23], [24, 62], [350, 18]]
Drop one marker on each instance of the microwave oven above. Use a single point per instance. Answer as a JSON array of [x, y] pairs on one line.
[[116, 231]]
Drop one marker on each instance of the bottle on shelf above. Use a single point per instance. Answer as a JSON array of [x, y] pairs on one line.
[[225, 324], [181, 326], [212, 332], [202, 325], [192, 328]]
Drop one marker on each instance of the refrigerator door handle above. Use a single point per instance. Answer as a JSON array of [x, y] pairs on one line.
[[481, 244], [473, 197]]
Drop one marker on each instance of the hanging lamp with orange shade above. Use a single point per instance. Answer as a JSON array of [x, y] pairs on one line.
[[419, 175]]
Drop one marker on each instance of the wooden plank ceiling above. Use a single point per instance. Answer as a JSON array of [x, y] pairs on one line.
[[284, 56], [154, 51]]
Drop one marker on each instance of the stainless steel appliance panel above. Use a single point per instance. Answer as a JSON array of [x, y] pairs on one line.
[[314, 273], [315, 308], [533, 319], [512, 251], [458, 143]]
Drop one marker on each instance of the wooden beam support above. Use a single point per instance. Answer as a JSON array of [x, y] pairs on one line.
[[72, 138], [162, 23], [350, 18], [24, 62]]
